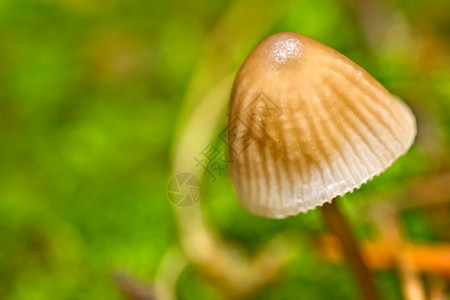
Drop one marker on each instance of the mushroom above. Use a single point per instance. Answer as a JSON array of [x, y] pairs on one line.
[[306, 125]]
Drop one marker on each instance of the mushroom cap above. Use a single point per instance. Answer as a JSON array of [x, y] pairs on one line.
[[307, 124]]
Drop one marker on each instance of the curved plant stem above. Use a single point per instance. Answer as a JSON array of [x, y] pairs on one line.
[[338, 225]]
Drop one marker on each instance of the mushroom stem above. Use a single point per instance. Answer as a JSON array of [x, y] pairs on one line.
[[339, 226]]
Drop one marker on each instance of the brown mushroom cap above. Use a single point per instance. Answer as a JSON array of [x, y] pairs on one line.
[[307, 124]]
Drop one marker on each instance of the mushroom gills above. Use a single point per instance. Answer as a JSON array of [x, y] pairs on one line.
[[309, 126]]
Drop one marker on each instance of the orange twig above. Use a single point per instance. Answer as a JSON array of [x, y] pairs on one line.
[[427, 258]]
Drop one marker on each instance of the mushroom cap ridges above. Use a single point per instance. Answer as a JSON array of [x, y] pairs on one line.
[[307, 124]]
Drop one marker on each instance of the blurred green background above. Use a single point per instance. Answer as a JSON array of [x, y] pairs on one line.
[[95, 94]]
